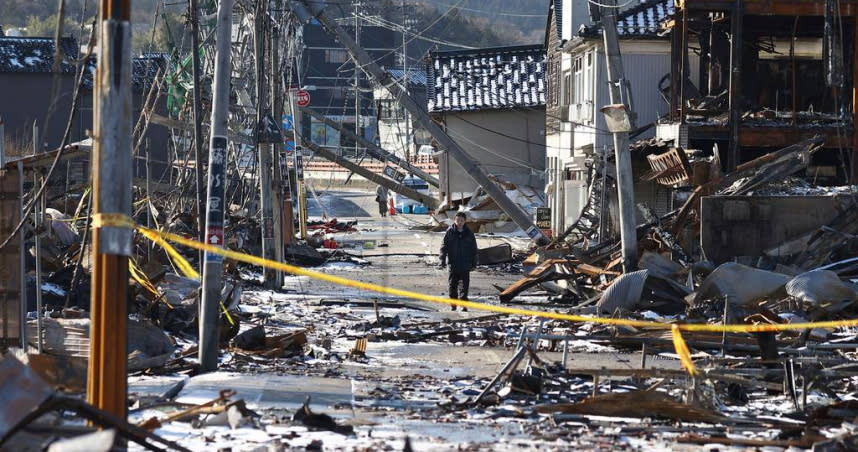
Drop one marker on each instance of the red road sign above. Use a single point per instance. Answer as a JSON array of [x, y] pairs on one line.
[[303, 98]]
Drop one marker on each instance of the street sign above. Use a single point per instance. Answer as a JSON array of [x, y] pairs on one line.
[[302, 98], [543, 217], [390, 172], [299, 166]]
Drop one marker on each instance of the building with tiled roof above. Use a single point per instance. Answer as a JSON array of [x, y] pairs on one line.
[[643, 20], [492, 103], [26, 54], [31, 92], [494, 78]]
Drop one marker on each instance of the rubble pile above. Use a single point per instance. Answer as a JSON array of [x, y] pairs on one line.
[[325, 367]]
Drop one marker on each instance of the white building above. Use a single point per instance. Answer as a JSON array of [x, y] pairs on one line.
[[577, 88]]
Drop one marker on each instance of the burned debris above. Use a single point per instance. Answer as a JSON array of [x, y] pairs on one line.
[[695, 287]]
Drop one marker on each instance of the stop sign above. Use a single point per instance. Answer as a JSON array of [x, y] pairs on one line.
[[303, 98]]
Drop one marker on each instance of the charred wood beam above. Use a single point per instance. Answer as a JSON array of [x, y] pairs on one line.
[[736, 43]]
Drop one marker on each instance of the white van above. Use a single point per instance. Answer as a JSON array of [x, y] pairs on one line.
[[405, 204]]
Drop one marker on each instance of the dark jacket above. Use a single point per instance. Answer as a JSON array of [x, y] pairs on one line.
[[460, 249]]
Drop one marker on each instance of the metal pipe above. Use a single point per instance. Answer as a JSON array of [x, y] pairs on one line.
[[22, 260], [37, 223]]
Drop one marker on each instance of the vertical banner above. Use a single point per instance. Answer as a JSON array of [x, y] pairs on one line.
[[214, 219]]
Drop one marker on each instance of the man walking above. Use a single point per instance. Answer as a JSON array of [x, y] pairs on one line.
[[381, 199], [460, 249]]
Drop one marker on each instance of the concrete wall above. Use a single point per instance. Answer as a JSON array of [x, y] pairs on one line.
[[748, 225], [507, 143]]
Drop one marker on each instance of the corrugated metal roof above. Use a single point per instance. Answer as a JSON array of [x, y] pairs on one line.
[[641, 21], [496, 78], [25, 54]]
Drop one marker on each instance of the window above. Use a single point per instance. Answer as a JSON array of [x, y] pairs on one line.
[[582, 93], [554, 82], [336, 56], [578, 68], [568, 98]]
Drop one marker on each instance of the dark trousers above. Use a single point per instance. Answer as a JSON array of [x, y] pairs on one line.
[[382, 209], [454, 279]]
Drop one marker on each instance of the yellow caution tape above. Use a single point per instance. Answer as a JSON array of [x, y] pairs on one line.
[[186, 268], [682, 350], [112, 220], [680, 345], [144, 281]]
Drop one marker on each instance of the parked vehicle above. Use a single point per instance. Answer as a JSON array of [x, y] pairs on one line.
[[405, 204]]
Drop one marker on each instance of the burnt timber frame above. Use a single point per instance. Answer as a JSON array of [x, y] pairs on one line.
[[739, 135]]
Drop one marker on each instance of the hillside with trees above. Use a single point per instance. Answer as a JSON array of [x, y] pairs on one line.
[[432, 24]]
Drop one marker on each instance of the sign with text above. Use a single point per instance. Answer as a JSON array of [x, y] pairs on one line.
[[543, 217], [216, 190], [302, 98], [390, 172], [299, 166]]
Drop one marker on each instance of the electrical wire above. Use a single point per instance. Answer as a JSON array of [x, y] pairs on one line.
[[425, 29], [593, 2], [395, 27], [542, 16]]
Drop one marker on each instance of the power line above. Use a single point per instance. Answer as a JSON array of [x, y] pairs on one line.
[[431, 24], [495, 12]]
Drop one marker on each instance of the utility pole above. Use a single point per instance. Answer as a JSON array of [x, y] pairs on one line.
[[267, 221], [405, 82], [302, 194], [198, 122], [275, 78], [111, 184], [625, 178], [357, 77], [213, 263], [316, 8]]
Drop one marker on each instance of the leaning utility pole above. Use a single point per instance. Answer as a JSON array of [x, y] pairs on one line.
[[260, 16], [357, 77], [625, 180], [213, 263], [198, 122], [111, 185], [383, 78], [374, 150]]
